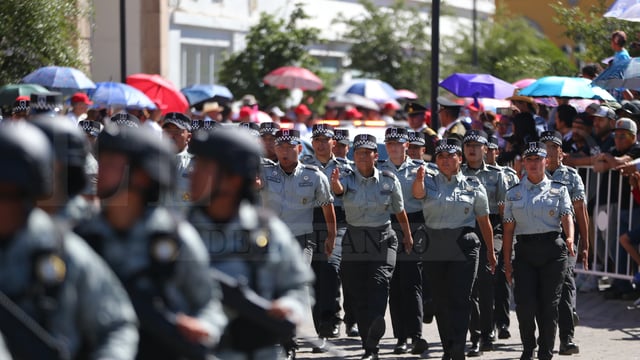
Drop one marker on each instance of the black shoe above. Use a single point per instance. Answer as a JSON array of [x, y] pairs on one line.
[[568, 348], [503, 332], [369, 355], [376, 331], [486, 345], [401, 347], [527, 355], [352, 330], [474, 350], [420, 345], [320, 347]]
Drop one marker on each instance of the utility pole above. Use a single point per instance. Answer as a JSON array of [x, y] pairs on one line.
[[435, 61]]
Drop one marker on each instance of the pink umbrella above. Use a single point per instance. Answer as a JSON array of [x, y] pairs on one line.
[[406, 94], [521, 84], [293, 77]]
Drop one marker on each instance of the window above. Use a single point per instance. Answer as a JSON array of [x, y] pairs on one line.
[[200, 64]]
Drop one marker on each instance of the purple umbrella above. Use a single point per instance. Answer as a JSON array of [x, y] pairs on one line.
[[477, 86]]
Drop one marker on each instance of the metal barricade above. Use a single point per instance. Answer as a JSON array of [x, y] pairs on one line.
[[607, 219]]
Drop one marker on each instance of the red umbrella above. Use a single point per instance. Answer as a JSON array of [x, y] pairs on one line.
[[293, 77], [407, 94], [161, 91]]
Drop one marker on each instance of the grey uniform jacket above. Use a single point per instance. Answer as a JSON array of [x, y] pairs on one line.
[[190, 289], [91, 302]]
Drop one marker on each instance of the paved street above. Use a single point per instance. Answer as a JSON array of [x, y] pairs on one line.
[[607, 330]]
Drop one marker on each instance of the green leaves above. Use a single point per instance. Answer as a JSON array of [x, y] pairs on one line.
[[36, 33]]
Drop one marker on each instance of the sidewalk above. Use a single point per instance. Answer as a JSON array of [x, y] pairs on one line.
[[607, 330]]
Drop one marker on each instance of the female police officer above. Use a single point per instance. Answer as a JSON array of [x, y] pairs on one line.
[[370, 244], [534, 211], [452, 204]]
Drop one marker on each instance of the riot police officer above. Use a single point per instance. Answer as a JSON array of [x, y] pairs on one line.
[[571, 179], [48, 273], [326, 269], [177, 127], [70, 148], [160, 258], [245, 241], [481, 327], [534, 211], [369, 247], [452, 205], [405, 294]]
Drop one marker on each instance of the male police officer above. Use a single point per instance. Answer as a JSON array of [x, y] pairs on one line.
[[245, 241], [177, 127], [268, 136], [481, 325], [50, 274], [161, 260], [326, 269]]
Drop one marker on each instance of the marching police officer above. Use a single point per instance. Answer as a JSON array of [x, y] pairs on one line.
[[341, 136], [491, 177], [327, 285], [268, 136], [557, 171], [160, 258], [452, 205], [177, 127], [534, 211], [48, 273], [244, 240], [416, 119], [70, 148], [292, 190], [370, 245], [405, 295]]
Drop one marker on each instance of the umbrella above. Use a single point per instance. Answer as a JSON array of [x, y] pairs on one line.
[[376, 90], [109, 94], [568, 87], [406, 94], [622, 74], [477, 86], [9, 93], [160, 91], [201, 93], [620, 9], [353, 100], [523, 83], [59, 77], [631, 14], [293, 77]]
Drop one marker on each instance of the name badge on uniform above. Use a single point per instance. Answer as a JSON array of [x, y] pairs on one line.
[[305, 184], [274, 179]]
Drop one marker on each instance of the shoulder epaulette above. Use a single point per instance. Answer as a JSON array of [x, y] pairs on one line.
[[381, 161], [509, 170], [268, 162], [474, 181], [518, 184], [310, 167], [388, 173], [418, 161], [493, 168], [557, 183], [342, 160], [306, 158], [572, 170]]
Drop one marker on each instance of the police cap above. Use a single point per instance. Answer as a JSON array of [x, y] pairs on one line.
[[473, 135], [416, 138], [552, 136], [253, 128], [91, 127], [492, 142], [42, 102], [26, 159], [203, 125], [448, 145], [237, 151], [341, 136], [414, 109], [289, 136], [180, 120], [269, 128], [535, 148], [125, 119], [395, 134], [144, 149], [365, 141], [322, 130]]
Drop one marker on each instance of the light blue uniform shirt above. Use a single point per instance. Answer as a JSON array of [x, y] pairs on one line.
[[455, 203], [368, 202], [293, 196], [180, 198], [91, 303], [406, 174], [510, 176], [571, 179], [537, 208], [327, 169], [492, 178]]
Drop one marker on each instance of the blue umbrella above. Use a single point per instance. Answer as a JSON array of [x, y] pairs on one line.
[[477, 86], [619, 7], [197, 94], [376, 90], [109, 94], [567, 87], [59, 77]]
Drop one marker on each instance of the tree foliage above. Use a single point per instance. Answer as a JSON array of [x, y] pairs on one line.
[[391, 44], [588, 26], [36, 33], [511, 49], [271, 43]]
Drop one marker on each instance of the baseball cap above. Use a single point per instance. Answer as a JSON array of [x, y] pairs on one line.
[[81, 97], [627, 124]]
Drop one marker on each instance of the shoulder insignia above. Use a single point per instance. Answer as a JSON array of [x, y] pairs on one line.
[[311, 167], [382, 161], [268, 162], [514, 186], [341, 160], [306, 159], [493, 168], [572, 170], [388, 173], [418, 161], [557, 184], [473, 181], [509, 170]]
